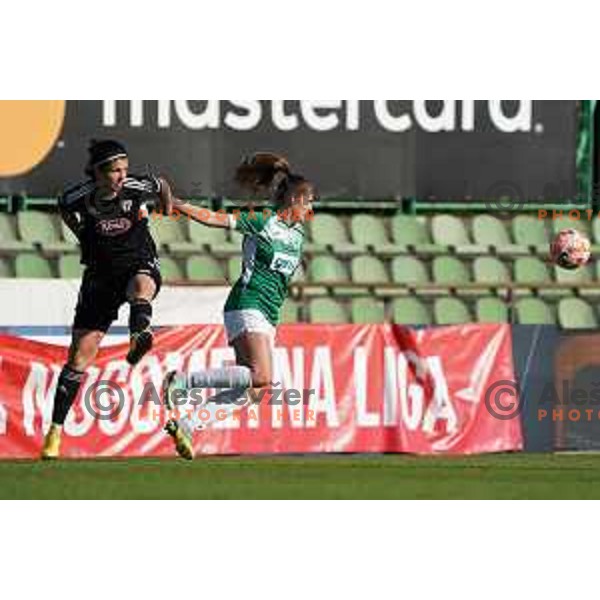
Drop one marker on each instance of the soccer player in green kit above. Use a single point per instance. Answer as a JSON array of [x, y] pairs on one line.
[[272, 248]]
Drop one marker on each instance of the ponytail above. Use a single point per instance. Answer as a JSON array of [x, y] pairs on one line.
[[265, 171], [262, 171]]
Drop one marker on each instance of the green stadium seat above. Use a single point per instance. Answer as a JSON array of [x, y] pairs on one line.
[[489, 270], [574, 313], [596, 231], [9, 240], [42, 228], [451, 232], [533, 272], [326, 311], [368, 270], [234, 269], [531, 232], [32, 266], [199, 238], [492, 233], [579, 276], [171, 270], [492, 310], [451, 311], [329, 231], [204, 269], [290, 313], [70, 267], [410, 311], [412, 233], [450, 271], [533, 311], [584, 226], [409, 270], [167, 231], [328, 269], [6, 269], [367, 311], [368, 231]]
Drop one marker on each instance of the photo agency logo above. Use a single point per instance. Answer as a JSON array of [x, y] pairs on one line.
[[509, 197], [107, 400], [559, 403]]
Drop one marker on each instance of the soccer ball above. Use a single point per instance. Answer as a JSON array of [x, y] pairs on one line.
[[571, 250]]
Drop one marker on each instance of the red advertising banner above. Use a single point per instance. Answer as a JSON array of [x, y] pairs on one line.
[[339, 389]]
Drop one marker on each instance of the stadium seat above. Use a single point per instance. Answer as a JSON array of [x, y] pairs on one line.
[[412, 233], [167, 231], [451, 311], [368, 270], [584, 226], [533, 311], [6, 269], [492, 310], [489, 270], [580, 276], [451, 232], [205, 269], [290, 313], [70, 267], [329, 231], [9, 241], [533, 272], [410, 311], [234, 269], [449, 270], [199, 237], [531, 232], [326, 311], [367, 311], [574, 313], [408, 270], [32, 266], [328, 269], [492, 233], [369, 231], [170, 270], [42, 228]]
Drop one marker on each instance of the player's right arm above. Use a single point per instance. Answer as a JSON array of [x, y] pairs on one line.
[[69, 209]]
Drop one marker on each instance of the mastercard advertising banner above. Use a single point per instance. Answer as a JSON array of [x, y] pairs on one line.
[[367, 149], [337, 389]]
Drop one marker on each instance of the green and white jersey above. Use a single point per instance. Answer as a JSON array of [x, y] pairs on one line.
[[272, 254]]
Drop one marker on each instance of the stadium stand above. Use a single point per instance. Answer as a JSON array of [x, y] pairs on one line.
[[363, 268]]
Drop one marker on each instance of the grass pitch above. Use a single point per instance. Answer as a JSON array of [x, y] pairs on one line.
[[519, 476]]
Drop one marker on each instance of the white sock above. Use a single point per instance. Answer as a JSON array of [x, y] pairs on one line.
[[239, 378]]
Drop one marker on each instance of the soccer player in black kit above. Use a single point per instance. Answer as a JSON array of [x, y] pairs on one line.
[[107, 213]]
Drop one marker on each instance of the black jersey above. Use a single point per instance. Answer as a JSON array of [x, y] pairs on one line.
[[114, 233]]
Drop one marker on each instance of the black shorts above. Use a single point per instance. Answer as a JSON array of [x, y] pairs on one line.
[[102, 295]]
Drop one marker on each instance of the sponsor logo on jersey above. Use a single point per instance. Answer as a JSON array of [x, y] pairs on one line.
[[114, 227]]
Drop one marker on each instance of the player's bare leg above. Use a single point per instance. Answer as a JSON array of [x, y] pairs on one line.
[[140, 294]]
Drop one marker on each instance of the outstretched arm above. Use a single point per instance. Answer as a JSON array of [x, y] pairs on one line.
[[165, 196], [203, 216]]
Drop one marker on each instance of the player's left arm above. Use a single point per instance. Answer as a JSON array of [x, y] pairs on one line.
[[165, 196]]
